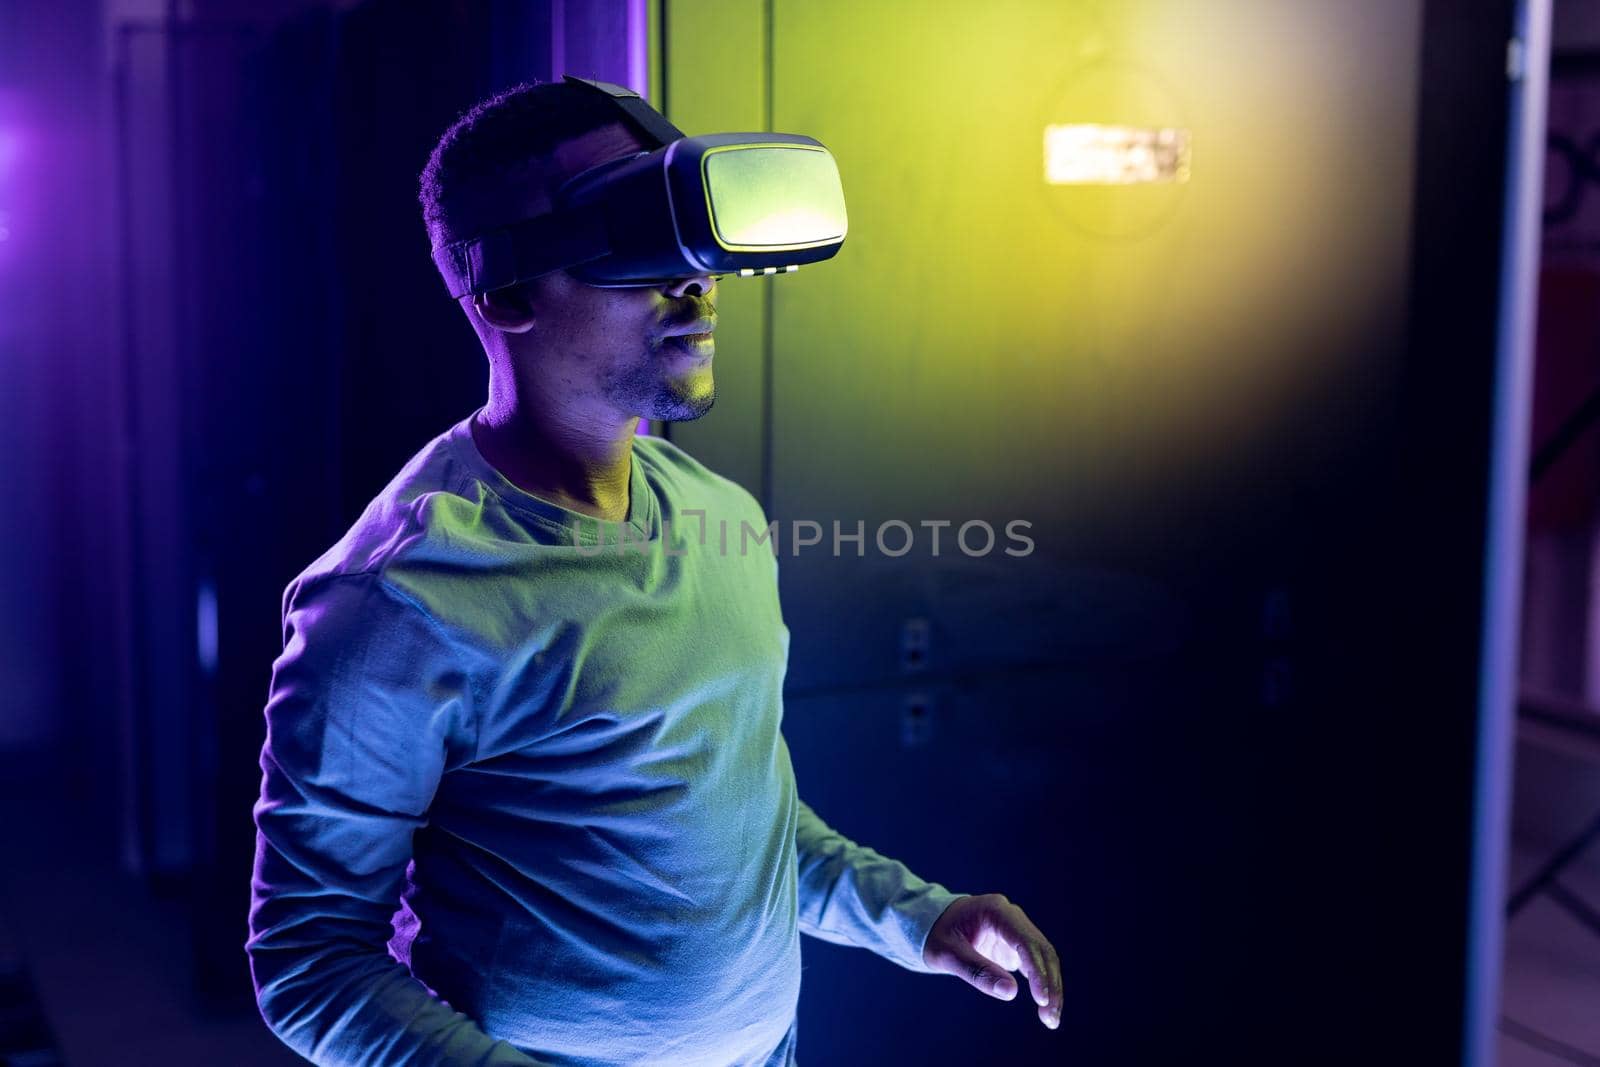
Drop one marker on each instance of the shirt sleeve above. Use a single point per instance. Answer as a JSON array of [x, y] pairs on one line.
[[365, 712], [851, 895]]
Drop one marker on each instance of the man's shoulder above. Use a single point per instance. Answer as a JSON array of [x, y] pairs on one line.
[[693, 477], [399, 521]]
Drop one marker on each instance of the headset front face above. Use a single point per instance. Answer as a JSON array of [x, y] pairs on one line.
[[745, 203]]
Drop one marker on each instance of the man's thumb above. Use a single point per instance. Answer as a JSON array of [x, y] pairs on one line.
[[977, 970]]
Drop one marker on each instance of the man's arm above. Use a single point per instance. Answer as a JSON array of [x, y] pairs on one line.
[[363, 716], [852, 895]]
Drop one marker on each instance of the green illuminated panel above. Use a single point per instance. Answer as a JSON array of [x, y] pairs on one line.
[[715, 53]]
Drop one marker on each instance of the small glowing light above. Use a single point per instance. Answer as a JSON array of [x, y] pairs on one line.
[[1114, 155], [205, 629], [750, 272]]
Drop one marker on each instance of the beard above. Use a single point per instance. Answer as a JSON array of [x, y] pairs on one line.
[[647, 391]]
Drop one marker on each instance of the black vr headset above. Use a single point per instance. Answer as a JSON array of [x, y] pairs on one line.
[[745, 203]]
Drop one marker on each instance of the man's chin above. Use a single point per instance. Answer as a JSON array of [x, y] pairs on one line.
[[684, 410], [683, 401]]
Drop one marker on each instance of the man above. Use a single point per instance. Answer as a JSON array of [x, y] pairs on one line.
[[554, 766]]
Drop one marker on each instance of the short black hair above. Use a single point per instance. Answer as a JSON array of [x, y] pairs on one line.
[[507, 131]]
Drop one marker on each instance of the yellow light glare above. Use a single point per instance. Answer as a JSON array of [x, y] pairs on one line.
[[1091, 154]]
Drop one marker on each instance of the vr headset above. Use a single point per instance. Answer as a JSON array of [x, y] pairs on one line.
[[726, 203]]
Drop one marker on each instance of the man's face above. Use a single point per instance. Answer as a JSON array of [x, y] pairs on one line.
[[643, 351]]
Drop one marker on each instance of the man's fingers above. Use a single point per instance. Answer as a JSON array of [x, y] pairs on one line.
[[1038, 972], [1035, 968], [982, 939], [978, 971], [1040, 966]]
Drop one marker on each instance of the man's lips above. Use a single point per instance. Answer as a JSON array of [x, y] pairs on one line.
[[695, 330]]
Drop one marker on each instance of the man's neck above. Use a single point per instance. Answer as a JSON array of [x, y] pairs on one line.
[[581, 465]]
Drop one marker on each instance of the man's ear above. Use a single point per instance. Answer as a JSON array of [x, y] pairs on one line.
[[508, 309]]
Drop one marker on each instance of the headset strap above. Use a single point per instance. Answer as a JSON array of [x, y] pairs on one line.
[[552, 241], [646, 119], [523, 250]]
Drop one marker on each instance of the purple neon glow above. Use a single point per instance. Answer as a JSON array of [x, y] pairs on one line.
[[12, 152], [9, 147], [638, 47]]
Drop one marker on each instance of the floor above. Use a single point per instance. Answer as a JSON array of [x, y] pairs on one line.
[[94, 967]]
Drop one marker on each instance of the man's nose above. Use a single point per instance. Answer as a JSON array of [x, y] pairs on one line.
[[695, 285]]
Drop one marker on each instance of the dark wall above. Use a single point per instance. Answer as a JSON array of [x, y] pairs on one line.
[[286, 346]]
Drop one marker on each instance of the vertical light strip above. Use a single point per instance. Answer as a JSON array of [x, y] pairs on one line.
[[205, 627], [1508, 484], [8, 155], [647, 54], [558, 38], [767, 494], [656, 37], [638, 44]]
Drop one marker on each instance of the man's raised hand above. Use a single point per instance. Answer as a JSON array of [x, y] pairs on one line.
[[981, 939]]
